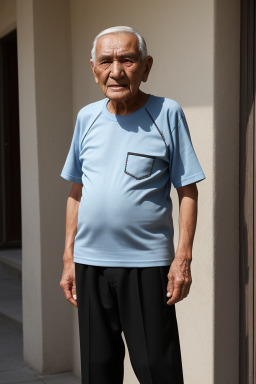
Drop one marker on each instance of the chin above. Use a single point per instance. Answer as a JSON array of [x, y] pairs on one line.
[[118, 95]]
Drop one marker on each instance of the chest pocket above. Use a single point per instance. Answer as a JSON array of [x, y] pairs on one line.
[[139, 165]]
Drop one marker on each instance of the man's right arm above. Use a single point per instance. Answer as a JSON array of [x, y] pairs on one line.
[[71, 220], [67, 282]]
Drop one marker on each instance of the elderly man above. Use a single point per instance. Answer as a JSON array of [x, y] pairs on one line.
[[120, 266]]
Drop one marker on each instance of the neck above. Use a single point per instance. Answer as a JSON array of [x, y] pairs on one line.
[[128, 106]]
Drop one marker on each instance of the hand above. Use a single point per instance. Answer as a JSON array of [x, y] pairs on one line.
[[180, 280], [68, 282]]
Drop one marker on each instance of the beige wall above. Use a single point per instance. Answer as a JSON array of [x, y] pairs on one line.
[[195, 46]]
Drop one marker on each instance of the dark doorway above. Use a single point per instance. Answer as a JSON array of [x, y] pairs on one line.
[[10, 188], [247, 196]]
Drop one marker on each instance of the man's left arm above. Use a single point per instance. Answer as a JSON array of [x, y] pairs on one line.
[[179, 276]]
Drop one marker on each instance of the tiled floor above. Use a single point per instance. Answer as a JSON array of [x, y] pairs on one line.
[[12, 367]]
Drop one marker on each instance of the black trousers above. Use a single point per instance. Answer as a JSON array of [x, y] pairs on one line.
[[133, 300]]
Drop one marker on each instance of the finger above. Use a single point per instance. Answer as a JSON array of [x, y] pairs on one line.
[[185, 290], [73, 301], [74, 292], [68, 294], [170, 287], [188, 286], [66, 289], [175, 296]]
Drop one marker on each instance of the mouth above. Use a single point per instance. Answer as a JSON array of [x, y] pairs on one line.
[[117, 86]]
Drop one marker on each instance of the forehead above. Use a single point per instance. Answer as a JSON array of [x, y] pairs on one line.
[[117, 43]]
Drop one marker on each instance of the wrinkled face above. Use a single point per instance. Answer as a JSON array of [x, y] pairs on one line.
[[118, 68]]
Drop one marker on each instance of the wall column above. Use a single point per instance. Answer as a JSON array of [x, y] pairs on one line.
[[45, 93]]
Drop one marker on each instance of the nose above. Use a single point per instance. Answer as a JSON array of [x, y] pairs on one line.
[[116, 70]]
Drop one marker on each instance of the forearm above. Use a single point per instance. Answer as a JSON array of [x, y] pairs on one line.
[[71, 226], [187, 225]]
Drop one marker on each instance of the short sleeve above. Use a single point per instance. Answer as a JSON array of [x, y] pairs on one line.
[[184, 165], [72, 169]]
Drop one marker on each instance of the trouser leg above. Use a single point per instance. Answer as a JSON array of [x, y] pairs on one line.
[[149, 325], [101, 345]]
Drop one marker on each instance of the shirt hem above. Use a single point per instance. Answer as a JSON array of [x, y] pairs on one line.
[[68, 177], [189, 180], [109, 263]]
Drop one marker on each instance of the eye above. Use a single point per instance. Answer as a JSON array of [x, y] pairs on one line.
[[127, 60]]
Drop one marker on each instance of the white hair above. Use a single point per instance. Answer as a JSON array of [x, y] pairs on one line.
[[141, 42]]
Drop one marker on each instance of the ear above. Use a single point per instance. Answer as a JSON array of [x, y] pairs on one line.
[[93, 70], [148, 62]]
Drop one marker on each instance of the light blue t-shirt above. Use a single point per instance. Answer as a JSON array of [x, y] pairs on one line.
[[126, 165]]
